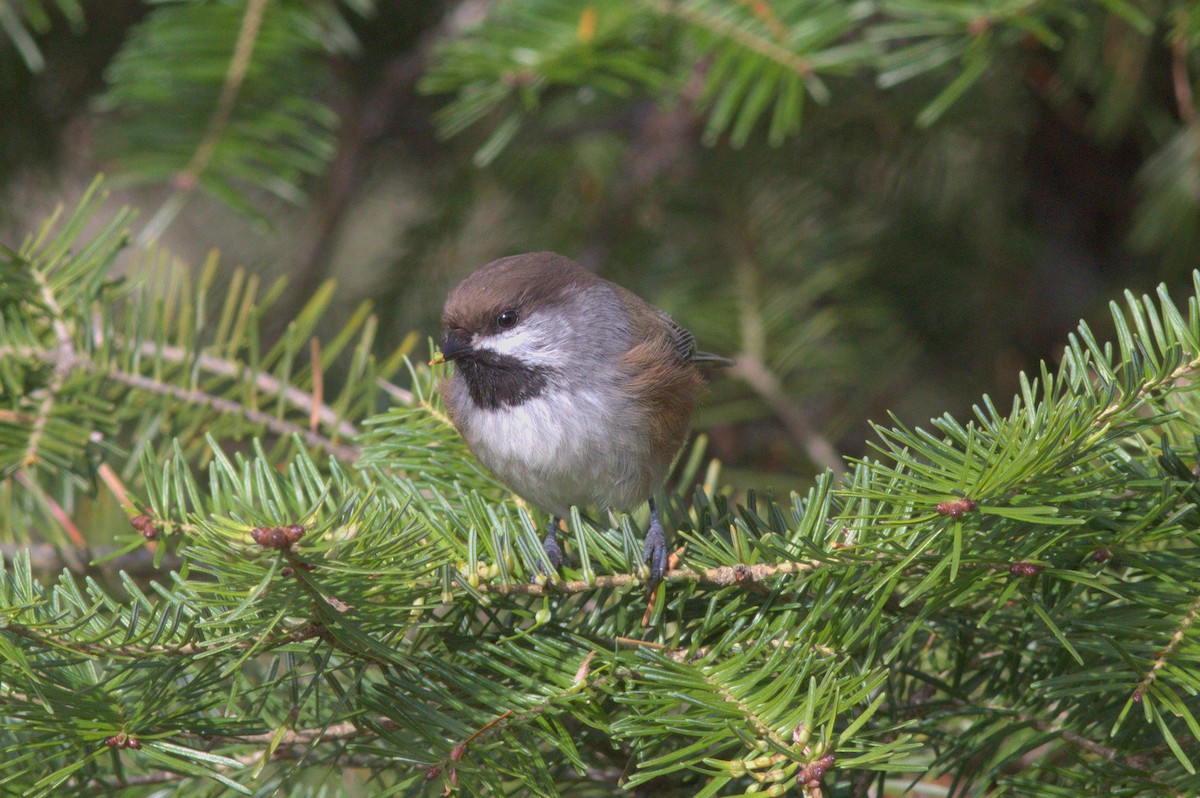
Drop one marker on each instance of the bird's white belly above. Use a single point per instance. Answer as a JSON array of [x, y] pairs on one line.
[[565, 448]]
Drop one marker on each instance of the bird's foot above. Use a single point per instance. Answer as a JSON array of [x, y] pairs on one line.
[[554, 553], [655, 554]]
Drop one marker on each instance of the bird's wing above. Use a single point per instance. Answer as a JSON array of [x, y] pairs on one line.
[[682, 341]]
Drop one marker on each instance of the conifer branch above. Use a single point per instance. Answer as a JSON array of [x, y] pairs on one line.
[[186, 181], [62, 368], [441, 417], [239, 64], [748, 576], [1160, 659], [297, 398], [65, 522], [746, 38], [1185, 370], [750, 365], [295, 634], [342, 451], [908, 592], [761, 727], [69, 359]]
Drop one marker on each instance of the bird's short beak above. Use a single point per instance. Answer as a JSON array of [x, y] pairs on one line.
[[454, 346]]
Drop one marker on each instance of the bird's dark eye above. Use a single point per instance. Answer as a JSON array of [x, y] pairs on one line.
[[507, 320]]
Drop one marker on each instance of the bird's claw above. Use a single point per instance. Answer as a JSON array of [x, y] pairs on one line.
[[554, 554], [553, 551], [655, 554]]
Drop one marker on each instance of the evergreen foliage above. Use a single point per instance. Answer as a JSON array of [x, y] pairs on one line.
[[315, 590], [239, 114], [1009, 600], [958, 179], [235, 99]]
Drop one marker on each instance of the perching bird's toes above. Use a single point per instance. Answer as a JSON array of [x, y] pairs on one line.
[[655, 554], [553, 551]]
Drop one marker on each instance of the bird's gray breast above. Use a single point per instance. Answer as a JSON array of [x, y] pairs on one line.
[[569, 445]]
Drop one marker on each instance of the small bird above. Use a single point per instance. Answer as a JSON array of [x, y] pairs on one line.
[[572, 390]]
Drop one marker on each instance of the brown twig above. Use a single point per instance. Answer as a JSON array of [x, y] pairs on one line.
[[342, 451], [186, 180], [318, 384], [1053, 727], [1181, 81], [293, 396], [1160, 658], [65, 355], [751, 367], [748, 39], [296, 398], [401, 395], [723, 576], [684, 655], [364, 118], [296, 634], [334, 731], [755, 373], [60, 515], [110, 787], [47, 558], [114, 483]]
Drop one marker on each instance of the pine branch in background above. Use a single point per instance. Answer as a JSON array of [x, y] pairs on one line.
[[756, 60], [1010, 600], [22, 20], [231, 99], [99, 369], [241, 114], [526, 50], [1167, 216], [768, 56]]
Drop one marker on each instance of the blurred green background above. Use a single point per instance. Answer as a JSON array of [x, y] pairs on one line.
[[878, 207]]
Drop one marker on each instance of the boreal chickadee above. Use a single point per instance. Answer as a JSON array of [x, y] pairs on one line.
[[569, 388]]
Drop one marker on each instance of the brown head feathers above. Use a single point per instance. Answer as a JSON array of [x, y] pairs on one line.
[[517, 283]]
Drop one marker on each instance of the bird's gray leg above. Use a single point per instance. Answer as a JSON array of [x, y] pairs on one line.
[[656, 548], [550, 544]]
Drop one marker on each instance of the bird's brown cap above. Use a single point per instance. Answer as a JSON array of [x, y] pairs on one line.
[[518, 282]]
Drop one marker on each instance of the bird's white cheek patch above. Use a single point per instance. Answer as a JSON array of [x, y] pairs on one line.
[[528, 343]]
